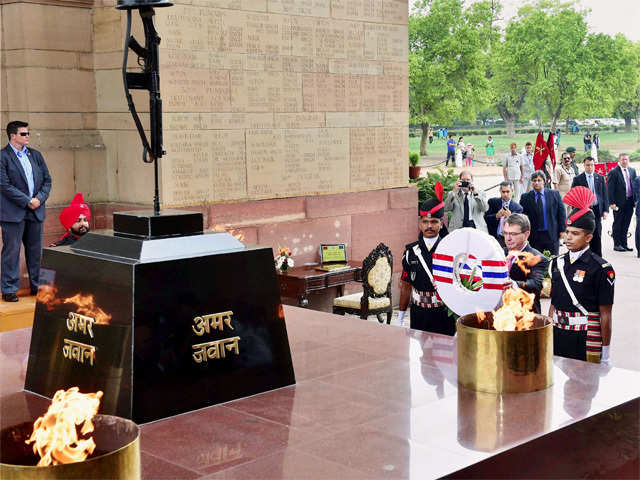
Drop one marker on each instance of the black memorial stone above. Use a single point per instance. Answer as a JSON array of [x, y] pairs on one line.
[[168, 223], [161, 326]]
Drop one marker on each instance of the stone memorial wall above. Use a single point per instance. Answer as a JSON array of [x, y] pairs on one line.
[[266, 99], [285, 121]]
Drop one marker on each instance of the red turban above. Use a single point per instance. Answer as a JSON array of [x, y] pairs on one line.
[[70, 215]]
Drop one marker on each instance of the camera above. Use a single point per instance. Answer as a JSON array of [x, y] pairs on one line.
[[465, 184]]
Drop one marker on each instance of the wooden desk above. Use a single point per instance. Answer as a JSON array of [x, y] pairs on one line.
[[297, 282]]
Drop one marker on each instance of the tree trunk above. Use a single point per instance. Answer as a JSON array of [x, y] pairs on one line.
[[638, 123], [554, 123], [510, 123], [566, 127], [423, 139], [627, 124]]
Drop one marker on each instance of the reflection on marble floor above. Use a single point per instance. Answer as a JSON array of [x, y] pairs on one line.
[[372, 401]]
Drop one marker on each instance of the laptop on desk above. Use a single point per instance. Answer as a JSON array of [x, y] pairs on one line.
[[333, 256]]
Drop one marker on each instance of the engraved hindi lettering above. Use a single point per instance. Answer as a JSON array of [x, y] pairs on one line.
[[76, 322], [215, 349], [206, 323], [78, 351]]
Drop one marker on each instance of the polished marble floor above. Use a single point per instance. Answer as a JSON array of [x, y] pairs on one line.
[[371, 401]]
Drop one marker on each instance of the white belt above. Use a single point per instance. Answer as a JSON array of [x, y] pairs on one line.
[[581, 320], [415, 295]]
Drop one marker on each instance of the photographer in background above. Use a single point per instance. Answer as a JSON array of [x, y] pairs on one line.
[[466, 204]]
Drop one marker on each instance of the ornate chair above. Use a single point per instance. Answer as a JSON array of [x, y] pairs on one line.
[[375, 299]]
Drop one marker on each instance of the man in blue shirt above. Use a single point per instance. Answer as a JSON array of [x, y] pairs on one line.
[[25, 184], [546, 213], [451, 150]]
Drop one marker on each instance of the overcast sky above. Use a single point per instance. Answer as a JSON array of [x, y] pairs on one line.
[[607, 16]]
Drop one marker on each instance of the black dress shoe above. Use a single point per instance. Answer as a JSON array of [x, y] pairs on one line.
[[628, 249], [9, 297], [618, 248]]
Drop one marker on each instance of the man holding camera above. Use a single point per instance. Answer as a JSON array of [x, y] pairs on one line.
[[466, 204]]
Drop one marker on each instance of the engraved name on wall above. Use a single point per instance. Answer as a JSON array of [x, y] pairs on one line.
[[268, 98]]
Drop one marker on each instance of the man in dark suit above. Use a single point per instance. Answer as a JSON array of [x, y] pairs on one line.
[[25, 184], [636, 194], [620, 192], [516, 233], [595, 182], [499, 209], [546, 213]]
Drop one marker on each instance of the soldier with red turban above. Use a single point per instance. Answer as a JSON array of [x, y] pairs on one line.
[[581, 288], [75, 220], [417, 288]]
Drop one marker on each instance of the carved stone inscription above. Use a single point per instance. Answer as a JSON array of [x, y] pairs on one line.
[[374, 156], [204, 166], [296, 161], [354, 93], [272, 98]]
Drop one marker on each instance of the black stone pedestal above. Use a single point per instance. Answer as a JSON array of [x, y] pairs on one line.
[[161, 325]]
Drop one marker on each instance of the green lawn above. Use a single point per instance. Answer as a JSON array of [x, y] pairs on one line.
[[614, 142]]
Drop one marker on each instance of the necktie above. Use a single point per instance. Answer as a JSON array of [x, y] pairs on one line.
[[502, 219], [626, 181], [28, 171], [590, 182], [540, 211], [466, 209]]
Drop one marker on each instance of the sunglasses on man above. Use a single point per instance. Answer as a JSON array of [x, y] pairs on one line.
[[24, 134]]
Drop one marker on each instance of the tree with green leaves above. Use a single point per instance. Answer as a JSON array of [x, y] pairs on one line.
[[628, 95], [509, 76], [569, 70], [447, 79]]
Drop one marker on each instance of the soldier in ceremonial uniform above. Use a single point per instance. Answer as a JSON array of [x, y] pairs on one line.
[[582, 286], [428, 313]]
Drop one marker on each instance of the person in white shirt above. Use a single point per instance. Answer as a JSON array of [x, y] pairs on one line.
[[513, 170], [460, 152], [528, 167]]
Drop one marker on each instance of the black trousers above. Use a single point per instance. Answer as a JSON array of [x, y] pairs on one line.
[[433, 320], [570, 343], [596, 241], [542, 241], [450, 155], [621, 221]]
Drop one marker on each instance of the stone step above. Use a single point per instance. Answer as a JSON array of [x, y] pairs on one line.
[[15, 315]]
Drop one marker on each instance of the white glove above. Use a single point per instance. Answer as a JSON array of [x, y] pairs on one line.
[[514, 285], [401, 315], [605, 359]]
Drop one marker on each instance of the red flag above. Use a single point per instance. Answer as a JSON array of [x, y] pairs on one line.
[[552, 150], [541, 152]]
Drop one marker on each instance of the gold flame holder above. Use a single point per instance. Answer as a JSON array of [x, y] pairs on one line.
[[118, 454], [504, 362]]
